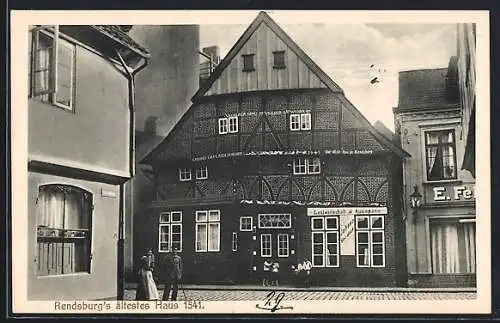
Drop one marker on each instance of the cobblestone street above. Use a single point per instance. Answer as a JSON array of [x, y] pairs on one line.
[[246, 295]]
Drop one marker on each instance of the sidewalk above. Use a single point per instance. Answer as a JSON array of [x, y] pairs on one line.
[[130, 286]]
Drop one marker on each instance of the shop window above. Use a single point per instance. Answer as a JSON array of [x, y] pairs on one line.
[[325, 241], [248, 63], [202, 172], [228, 125], [208, 231], [283, 245], [275, 221], [265, 245], [300, 121], [64, 215], [440, 155], [234, 242], [279, 59], [184, 174], [170, 231], [453, 246], [246, 223], [303, 166], [51, 71], [370, 241]]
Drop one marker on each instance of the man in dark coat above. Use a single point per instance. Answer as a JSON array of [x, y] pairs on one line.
[[173, 275]]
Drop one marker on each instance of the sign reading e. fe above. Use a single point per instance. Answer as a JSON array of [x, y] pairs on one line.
[[458, 193]]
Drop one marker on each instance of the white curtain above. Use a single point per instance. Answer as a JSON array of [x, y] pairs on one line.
[[201, 237], [51, 206], [213, 239], [470, 247]]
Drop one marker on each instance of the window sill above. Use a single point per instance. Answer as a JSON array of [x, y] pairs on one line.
[[64, 275], [279, 67], [442, 181]]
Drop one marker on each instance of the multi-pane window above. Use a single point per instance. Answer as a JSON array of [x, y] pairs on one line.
[[208, 230], [170, 231], [64, 215], [202, 172], [184, 174], [266, 245], [246, 223], [51, 67], [302, 166], [440, 155], [275, 221], [248, 63], [300, 121], [234, 241], [453, 245], [283, 245], [228, 125], [370, 242], [325, 241], [279, 59]]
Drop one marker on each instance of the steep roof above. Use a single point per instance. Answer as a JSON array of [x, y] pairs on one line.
[[426, 89], [382, 128], [118, 34], [331, 85]]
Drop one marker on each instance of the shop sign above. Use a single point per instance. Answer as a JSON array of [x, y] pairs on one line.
[[457, 193], [325, 211]]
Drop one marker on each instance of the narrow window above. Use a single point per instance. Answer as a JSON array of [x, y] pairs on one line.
[[305, 121], [233, 124], [184, 174], [170, 231], [234, 241], [295, 122], [265, 245], [279, 59], [325, 241], [283, 245], [440, 155], [370, 241], [248, 63], [223, 126]]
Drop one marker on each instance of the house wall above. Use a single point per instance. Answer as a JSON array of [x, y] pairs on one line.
[[101, 281], [100, 119]]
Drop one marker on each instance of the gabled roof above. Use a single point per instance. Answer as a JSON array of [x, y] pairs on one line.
[[331, 85]]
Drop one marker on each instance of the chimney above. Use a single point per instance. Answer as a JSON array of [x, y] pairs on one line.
[[150, 126], [211, 57]]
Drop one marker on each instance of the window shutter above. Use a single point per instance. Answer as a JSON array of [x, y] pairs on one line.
[[38, 87]]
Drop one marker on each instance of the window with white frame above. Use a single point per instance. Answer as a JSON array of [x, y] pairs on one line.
[[207, 231], [223, 126], [246, 223], [325, 241], [233, 124], [300, 121], [51, 67], [303, 166], [234, 241], [184, 174], [266, 245], [170, 231], [440, 155], [283, 245], [370, 242], [64, 217], [275, 221], [202, 172]]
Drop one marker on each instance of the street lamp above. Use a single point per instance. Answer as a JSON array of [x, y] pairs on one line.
[[415, 202]]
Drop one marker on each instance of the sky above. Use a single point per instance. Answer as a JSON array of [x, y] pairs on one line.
[[346, 52]]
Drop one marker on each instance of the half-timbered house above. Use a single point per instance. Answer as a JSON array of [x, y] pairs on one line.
[[273, 161]]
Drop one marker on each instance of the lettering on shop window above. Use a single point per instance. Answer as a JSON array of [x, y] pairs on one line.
[[458, 193]]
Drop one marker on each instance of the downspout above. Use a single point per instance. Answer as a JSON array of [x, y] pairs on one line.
[[130, 74]]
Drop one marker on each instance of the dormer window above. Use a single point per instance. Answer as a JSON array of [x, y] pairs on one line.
[[279, 59], [228, 125], [248, 63], [303, 166], [300, 121], [202, 172], [184, 174]]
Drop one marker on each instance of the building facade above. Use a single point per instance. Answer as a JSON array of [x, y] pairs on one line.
[[466, 48], [80, 154], [271, 161], [162, 95], [440, 223]]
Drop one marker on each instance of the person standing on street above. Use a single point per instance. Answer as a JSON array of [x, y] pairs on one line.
[[173, 272]]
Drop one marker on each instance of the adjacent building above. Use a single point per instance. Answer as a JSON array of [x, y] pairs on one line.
[[438, 193], [272, 161], [80, 154]]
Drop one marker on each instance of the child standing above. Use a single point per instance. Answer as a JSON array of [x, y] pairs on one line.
[[267, 271], [275, 273]]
